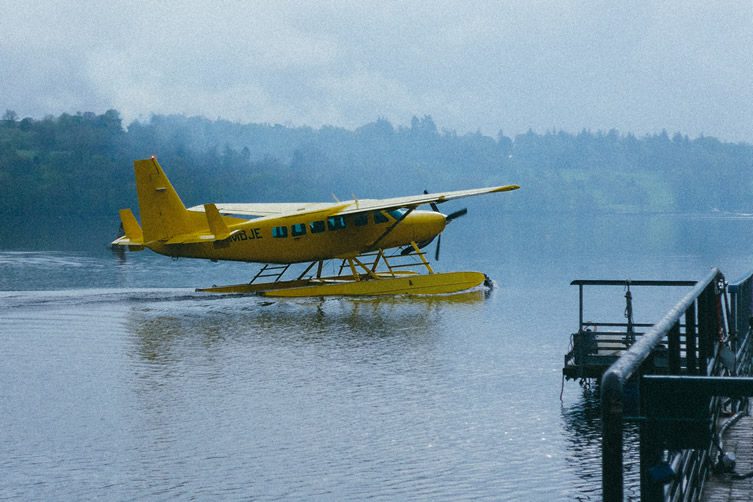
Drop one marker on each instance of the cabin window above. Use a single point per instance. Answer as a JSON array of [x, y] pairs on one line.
[[361, 219], [280, 232], [379, 217], [298, 229], [316, 226], [335, 222]]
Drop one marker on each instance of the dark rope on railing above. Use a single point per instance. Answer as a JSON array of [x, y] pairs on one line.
[[630, 336]]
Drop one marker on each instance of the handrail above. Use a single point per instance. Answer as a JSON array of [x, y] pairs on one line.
[[678, 374], [628, 282], [628, 365], [741, 299], [706, 343]]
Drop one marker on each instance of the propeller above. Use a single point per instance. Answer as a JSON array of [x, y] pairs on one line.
[[451, 216]]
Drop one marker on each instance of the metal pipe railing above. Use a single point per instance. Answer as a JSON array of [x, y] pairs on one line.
[[741, 302], [634, 359], [712, 326]]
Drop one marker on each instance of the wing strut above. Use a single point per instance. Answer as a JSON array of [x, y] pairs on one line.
[[391, 228]]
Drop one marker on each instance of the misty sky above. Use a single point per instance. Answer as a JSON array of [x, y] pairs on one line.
[[637, 66]]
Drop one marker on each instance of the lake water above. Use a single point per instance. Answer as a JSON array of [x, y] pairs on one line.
[[119, 382]]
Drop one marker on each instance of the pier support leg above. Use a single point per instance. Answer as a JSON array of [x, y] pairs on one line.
[[611, 439]]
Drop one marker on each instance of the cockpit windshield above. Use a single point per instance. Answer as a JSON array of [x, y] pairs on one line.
[[397, 213]]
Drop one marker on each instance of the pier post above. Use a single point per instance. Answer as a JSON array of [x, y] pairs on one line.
[[611, 456], [690, 340], [706, 325], [674, 349]]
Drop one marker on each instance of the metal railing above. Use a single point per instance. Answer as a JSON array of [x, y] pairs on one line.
[[627, 284], [741, 303], [679, 407]]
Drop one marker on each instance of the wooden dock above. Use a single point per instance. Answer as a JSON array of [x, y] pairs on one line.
[[725, 487]]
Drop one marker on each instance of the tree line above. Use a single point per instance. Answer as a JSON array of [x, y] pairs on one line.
[[63, 179]]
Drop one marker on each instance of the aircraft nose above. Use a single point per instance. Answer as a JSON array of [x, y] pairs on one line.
[[428, 225], [439, 221]]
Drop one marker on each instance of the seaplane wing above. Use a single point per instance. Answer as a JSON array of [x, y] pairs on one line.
[[413, 201], [273, 209], [295, 209]]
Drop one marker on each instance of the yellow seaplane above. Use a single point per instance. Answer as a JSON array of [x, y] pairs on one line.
[[357, 233]]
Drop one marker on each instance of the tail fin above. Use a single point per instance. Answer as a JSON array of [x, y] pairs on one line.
[[131, 227], [216, 224], [133, 238], [163, 215]]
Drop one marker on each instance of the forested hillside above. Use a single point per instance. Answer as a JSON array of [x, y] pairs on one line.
[[62, 179]]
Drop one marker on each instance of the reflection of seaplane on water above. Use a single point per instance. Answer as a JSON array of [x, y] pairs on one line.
[[357, 232]]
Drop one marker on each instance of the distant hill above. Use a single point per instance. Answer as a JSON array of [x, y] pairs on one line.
[[62, 179]]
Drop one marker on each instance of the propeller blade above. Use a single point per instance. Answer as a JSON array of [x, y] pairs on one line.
[[457, 214], [439, 244], [432, 204]]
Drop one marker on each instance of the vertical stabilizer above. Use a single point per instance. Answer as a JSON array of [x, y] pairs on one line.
[[131, 227], [216, 224], [163, 214]]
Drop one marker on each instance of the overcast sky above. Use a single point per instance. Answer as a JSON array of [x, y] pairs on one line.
[[637, 66]]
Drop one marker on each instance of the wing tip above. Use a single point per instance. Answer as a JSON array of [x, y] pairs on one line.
[[507, 188]]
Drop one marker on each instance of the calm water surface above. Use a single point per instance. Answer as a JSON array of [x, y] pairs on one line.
[[119, 382]]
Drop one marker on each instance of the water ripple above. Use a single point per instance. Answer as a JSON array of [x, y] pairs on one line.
[[128, 393]]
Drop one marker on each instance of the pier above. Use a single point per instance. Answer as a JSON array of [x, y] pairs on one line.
[[596, 345], [685, 380]]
